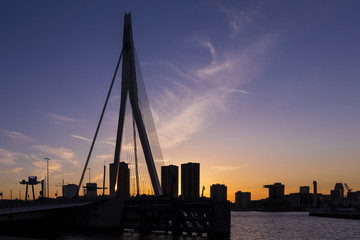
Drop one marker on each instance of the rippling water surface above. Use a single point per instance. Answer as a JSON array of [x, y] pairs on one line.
[[291, 225], [251, 225]]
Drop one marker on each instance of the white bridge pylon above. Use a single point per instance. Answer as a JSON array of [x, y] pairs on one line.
[[129, 88]]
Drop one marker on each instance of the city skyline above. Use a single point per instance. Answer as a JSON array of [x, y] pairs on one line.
[[253, 91]]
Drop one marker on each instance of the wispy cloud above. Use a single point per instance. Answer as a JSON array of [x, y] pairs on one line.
[[108, 141], [238, 19], [40, 163], [211, 49], [81, 138], [190, 120], [60, 119], [104, 157], [215, 68], [16, 170], [60, 152], [229, 168], [184, 113], [54, 165], [15, 135], [8, 157], [97, 177], [237, 91]]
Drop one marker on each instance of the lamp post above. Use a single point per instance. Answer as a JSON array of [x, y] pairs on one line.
[[47, 176]]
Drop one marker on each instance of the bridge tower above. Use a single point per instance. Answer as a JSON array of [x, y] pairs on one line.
[[129, 88]]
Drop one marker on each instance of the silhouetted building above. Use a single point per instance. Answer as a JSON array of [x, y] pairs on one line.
[[91, 190], [276, 191], [338, 192], [306, 198], [190, 180], [69, 191], [123, 186], [218, 192], [112, 178], [242, 200], [353, 196], [304, 189], [293, 199], [315, 195], [170, 180]]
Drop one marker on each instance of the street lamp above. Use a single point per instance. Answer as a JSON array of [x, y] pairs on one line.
[[47, 176]]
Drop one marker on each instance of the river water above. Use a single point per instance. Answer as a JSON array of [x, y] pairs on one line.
[[251, 225], [291, 225]]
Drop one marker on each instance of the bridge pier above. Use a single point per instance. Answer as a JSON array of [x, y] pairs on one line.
[[205, 216]]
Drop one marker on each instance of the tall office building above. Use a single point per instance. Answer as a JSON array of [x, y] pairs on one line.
[[190, 180], [242, 200], [276, 191], [218, 192], [338, 192], [304, 189], [170, 180], [315, 197], [123, 187]]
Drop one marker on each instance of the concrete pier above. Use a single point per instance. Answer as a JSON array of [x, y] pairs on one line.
[[145, 214], [177, 217]]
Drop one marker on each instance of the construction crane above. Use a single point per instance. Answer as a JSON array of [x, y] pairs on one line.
[[347, 188]]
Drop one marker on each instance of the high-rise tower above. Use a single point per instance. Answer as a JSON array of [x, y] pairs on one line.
[[190, 180]]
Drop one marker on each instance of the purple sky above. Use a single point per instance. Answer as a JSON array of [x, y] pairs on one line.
[[256, 91]]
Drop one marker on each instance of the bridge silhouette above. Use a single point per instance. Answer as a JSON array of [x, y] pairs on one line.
[[141, 213], [133, 95]]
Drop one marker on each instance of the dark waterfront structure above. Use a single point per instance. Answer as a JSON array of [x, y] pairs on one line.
[[32, 180], [69, 190], [242, 200], [338, 192], [112, 177], [123, 181], [315, 195], [218, 192], [170, 180], [304, 189], [91, 190], [178, 217], [276, 200], [276, 191], [190, 180]]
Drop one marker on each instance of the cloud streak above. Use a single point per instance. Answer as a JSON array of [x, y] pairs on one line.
[[237, 91], [16, 170], [195, 95], [81, 138], [104, 157], [97, 177], [8, 157], [16, 135], [238, 19], [229, 168], [60, 119], [108, 141], [60, 152]]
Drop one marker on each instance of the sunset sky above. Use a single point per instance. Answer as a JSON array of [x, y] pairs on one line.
[[257, 92]]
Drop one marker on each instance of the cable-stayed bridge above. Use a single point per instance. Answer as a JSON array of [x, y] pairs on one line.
[[134, 172]]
